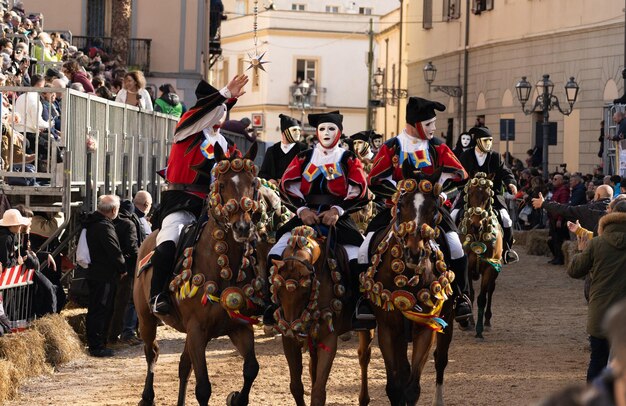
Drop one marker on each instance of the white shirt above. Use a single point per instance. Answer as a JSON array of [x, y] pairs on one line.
[[29, 108], [145, 101], [481, 157], [286, 147]]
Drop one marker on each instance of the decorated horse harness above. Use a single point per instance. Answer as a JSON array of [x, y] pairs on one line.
[[409, 275]]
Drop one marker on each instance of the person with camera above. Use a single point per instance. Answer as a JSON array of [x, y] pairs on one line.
[[134, 91], [20, 65]]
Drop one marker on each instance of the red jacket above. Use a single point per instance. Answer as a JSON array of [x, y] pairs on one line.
[[560, 195]]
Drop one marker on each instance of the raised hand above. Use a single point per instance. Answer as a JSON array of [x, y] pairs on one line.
[[236, 85]]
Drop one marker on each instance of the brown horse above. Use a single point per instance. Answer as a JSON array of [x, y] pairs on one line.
[[217, 287], [482, 241], [408, 285], [315, 308]]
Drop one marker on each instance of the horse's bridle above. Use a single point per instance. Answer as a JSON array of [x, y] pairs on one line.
[[221, 212]]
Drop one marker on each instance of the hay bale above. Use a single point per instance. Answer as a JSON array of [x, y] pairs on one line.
[[8, 381], [537, 242], [569, 250], [77, 319], [62, 342], [26, 350], [520, 237]]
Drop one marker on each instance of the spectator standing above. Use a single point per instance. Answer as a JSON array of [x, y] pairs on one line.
[[618, 118], [604, 259], [169, 102], [143, 203], [558, 228], [106, 267], [126, 227], [616, 182], [588, 214], [134, 91], [75, 74], [578, 193]]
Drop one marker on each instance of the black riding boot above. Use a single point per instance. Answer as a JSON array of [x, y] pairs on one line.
[[363, 318], [461, 285], [270, 307], [162, 263], [509, 255]]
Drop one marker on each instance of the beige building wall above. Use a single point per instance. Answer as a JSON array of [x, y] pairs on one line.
[[66, 15], [389, 120], [523, 38]]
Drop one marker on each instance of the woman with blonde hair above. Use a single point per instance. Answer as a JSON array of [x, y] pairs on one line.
[[134, 91]]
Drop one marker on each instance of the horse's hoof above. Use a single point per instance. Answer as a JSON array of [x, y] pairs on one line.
[[269, 331], [479, 338], [144, 402], [464, 325], [231, 398]]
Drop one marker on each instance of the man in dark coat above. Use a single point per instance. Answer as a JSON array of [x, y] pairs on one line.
[[126, 226], [587, 214], [483, 159], [106, 268], [280, 155], [578, 194]]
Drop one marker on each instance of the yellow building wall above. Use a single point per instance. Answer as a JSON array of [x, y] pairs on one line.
[[160, 20], [69, 17]]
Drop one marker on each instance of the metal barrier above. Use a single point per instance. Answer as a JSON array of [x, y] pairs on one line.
[[613, 158], [129, 147], [16, 295]]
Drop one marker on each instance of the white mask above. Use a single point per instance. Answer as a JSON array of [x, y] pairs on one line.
[[328, 134], [465, 140], [429, 128]]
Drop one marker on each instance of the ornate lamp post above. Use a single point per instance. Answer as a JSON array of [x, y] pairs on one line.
[[430, 72], [545, 102], [384, 94], [302, 97]]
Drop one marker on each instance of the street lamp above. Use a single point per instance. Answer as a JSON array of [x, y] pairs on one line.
[[302, 95], [383, 94], [545, 102], [430, 72]]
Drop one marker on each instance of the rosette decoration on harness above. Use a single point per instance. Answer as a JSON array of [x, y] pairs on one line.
[[479, 225], [422, 281], [237, 287], [304, 249]]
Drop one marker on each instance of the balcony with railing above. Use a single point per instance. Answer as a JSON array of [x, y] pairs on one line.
[[305, 96], [138, 50]]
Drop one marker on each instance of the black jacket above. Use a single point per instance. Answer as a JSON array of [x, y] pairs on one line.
[[503, 177], [126, 229], [587, 214], [107, 261], [578, 195], [276, 161], [8, 256]]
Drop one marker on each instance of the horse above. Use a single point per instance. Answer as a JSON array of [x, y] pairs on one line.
[[217, 287], [408, 285], [481, 235], [315, 308]]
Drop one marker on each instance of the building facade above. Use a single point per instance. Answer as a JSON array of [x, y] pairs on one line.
[[506, 40], [317, 52]]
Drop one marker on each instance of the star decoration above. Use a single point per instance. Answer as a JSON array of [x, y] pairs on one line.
[[256, 62]]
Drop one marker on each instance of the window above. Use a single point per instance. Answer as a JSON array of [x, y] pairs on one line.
[[451, 9], [305, 70], [478, 6], [224, 76], [365, 10], [297, 7], [332, 9], [427, 21]]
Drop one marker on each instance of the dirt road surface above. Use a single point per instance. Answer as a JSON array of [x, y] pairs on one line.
[[537, 345]]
